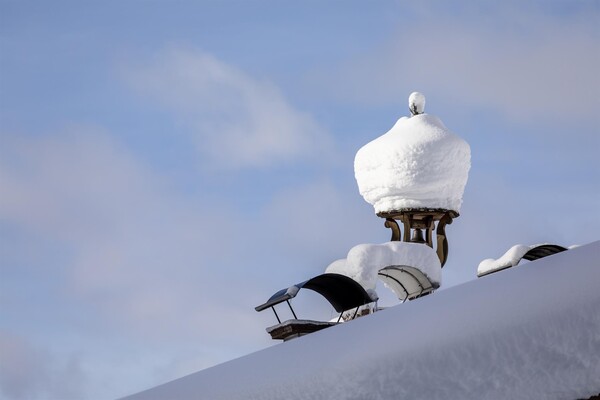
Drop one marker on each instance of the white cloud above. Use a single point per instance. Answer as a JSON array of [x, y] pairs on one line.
[[138, 247], [234, 119], [141, 260], [28, 372], [525, 64]]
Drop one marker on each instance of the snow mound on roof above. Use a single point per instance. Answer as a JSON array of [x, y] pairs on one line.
[[418, 163], [508, 259], [365, 260], [511, 258]]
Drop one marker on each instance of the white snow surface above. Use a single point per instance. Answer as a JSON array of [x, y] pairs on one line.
[[365, 260], [418, 163], [508, 259], [506, 336]]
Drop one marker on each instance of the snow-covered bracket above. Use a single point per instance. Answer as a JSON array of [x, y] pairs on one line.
[[342, 292], [515, 254]]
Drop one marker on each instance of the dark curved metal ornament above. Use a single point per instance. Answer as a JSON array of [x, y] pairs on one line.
[[393, 225], [415, 220], [442, 240]]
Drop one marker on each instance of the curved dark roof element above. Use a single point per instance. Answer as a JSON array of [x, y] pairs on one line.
[[543, 250], [406, 282], [341, 291]]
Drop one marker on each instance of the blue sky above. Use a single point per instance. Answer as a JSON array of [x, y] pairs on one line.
[[166, 166]]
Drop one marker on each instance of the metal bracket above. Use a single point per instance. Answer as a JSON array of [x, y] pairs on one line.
[[414, 220]]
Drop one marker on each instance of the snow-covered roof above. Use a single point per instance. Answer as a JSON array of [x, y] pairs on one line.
[[525, 333], [418, 163]]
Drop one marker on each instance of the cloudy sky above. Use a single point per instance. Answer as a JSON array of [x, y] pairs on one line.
[[167, 166]]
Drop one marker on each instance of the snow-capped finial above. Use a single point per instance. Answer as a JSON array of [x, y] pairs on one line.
[[418, 163], [416, 103]]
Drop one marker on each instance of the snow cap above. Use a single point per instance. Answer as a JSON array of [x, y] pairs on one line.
[[416, 103], [418, 163], [365, 260]]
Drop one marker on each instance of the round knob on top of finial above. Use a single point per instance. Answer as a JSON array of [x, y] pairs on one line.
[[416, 103]]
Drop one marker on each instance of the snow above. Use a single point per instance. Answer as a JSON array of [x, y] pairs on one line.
[[365, 260], [416, 103], [508, 336], [292, 291], [509, 259], [418, 163]]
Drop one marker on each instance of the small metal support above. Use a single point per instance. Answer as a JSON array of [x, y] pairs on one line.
[[276, 316], [291, 309]]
